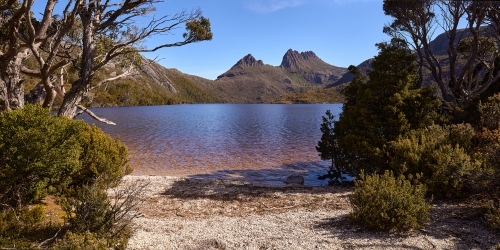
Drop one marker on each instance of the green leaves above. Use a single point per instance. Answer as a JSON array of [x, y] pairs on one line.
[[385, 202], [327, 146], [388, 105], [198, 30], [40, 153]]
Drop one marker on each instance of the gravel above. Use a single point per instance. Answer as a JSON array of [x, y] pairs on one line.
[[180, 213]]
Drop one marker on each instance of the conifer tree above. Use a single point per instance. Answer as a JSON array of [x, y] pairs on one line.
[[389, 104], [327, 146]]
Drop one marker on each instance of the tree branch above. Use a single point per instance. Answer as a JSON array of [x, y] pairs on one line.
[[103, 120]]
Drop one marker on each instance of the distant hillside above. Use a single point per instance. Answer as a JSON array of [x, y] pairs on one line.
[[252, 81], [152, 85], [311, 67]]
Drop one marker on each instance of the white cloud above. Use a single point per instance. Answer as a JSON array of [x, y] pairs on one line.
[[268, 6]]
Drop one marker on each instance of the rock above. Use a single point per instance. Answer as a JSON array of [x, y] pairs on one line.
[[294, 179]]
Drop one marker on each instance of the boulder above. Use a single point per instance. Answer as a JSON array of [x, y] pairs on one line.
[[294, 179]]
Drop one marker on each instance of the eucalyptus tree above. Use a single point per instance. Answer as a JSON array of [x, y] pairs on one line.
[[87, 36], [470, 67], [18, 41]]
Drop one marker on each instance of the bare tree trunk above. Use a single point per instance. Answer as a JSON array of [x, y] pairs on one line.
[[81, 87], [11, 84]]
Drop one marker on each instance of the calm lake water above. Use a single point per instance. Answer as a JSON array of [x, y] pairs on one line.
[[252, 142]]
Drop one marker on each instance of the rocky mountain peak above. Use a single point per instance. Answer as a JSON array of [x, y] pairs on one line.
[[249, 61], [294, 60]]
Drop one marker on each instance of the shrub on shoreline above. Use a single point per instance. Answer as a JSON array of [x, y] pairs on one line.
[[384, 202]]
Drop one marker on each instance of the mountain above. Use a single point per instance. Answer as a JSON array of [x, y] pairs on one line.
[[252, 81], [152, 84], [311, 67], [363, 67]]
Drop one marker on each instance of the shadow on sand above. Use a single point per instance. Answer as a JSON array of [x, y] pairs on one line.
[[273, 176], [449, 220]]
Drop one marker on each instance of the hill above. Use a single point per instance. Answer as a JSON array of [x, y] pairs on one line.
[[252, 81]]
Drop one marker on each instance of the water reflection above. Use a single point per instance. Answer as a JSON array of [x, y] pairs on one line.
[[215, 139]]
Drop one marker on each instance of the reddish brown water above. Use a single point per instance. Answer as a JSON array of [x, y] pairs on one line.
[[251, 142]]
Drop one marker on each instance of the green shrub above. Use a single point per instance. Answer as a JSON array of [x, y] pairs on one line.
[[19, 226], [492, 214], [444, 156], [490, 112], [42, 154], [37, 151], [89, 210], [383, 202], [83, 241]]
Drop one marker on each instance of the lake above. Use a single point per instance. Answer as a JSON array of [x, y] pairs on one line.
[[253, 142]]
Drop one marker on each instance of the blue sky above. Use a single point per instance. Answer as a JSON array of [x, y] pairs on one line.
[[341, 32]]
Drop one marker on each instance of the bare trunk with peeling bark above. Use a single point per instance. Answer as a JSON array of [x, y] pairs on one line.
[[11, 84], [81, 86]]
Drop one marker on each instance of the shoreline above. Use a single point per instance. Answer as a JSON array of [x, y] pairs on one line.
[[187, 213]]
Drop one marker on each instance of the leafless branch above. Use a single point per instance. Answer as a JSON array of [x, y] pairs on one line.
[[49, 239], [103, 120], [128, 72]]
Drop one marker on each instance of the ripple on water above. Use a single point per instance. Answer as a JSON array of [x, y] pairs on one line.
[[252, 142]]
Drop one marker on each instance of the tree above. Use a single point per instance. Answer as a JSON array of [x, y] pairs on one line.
[[22, 39], [389, 104], [470, 66], [102, 20], [327, 146], [87, 36]]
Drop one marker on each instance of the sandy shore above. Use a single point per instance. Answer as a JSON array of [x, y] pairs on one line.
[[180, 213]]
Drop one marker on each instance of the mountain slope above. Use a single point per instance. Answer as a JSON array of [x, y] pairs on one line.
[[252, 81], [311, 67]]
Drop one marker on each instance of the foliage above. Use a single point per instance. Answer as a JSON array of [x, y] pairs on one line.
[[489, 150], [388, 105], [327, 146], [37, 152], [384, 202], [19, 226], [91, 214], [82, 241], [40, 153], [466, 67], [442, 154], [493, 214], [490, 112]]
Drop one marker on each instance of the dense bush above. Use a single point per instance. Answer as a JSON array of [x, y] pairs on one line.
[[493, 214], [442, 154], [19, 226], [88, 209], [41, 154], [83, 241], [490, 112], [384, 202]]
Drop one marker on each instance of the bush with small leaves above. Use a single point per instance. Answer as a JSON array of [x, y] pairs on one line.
[[493, 214], [443, 155], [384, 202], [20, 225], [42, 154], [82, 241]]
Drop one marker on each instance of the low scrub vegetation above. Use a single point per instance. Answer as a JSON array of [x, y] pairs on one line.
[[43, 155], [385, 202]]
